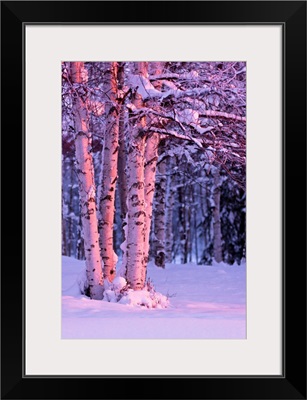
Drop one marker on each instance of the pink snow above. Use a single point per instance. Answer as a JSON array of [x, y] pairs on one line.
[[205, 302]]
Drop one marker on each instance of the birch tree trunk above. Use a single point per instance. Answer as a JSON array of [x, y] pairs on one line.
[[70, 210], [151, 157], [85, 172], [170, 200], [217, 234], [109, 174], [136, 267], [122, 180], [159, 226]]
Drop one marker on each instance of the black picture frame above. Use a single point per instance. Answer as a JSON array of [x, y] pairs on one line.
[[292, 384]]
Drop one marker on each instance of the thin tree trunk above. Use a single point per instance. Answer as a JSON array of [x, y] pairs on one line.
[[85, 172], [109, 174], [170, 200], [159, 225], [136, 267], [217, 234], [195, 212], [64, 241], [182, 228], [70, 210], [151, 157], [122, 179], [188, 226]]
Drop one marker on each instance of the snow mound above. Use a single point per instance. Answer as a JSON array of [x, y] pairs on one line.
[[119, 283], [110, 296], [144, 298], [119, 292]]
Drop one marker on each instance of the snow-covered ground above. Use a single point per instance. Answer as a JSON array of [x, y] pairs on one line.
[[206, 302]]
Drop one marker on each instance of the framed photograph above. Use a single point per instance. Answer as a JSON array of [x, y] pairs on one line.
[[163, 188]]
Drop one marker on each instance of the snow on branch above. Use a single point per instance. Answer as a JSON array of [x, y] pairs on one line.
[[192, 75], [221, 114], [201, 129], [144, 87], [147, 90], [188, 116], [163, 77], [177, 135]]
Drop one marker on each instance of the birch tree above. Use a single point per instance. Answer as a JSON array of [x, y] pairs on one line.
[[122, 152], [170, 200], [87, 190], [151, 158], [135, 260], [160, 222], [109, 173]]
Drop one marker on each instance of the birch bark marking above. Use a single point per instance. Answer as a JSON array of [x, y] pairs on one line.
[[85, 172], [109, 174], [136, 267], [151, 158], [169, 205], [122, 165], [217, 234], [159, 244], [122, 180]]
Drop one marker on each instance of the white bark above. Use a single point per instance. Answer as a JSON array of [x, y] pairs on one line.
[[136, 267], [151, 157], [88, 216], [122, 174], [170, 200], [109, 174], [159, 226], [122, 181], [85, 172]]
